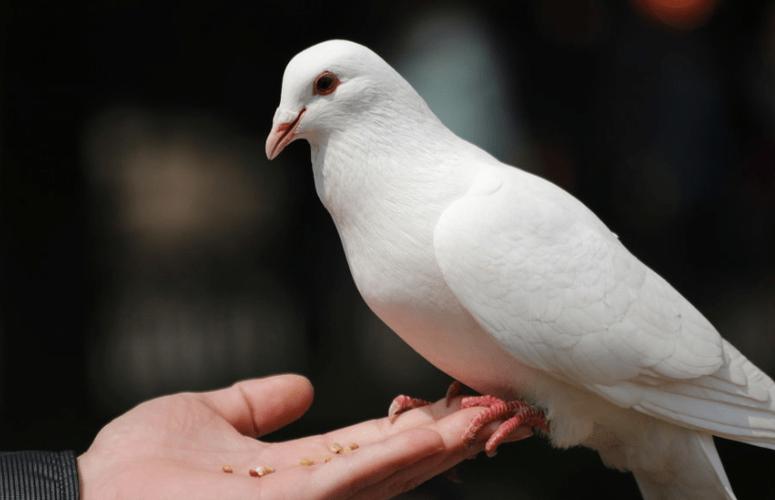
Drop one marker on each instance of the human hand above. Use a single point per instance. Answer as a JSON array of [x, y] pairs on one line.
[[175, 447]]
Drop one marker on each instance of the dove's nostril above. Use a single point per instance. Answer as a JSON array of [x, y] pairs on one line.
[[287, 128]]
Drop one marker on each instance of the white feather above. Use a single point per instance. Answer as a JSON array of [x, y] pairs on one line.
[[614, 326], [511, 285]]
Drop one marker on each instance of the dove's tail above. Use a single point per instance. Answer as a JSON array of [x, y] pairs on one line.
[[700, 476], [737, 402]]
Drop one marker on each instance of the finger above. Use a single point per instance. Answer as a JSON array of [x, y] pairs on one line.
[[348, 474], [320, 449], [378, 429], [451, 429], [413, 476], [259, 406]]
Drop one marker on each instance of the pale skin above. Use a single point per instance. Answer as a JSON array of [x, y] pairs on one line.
[[176, 446]]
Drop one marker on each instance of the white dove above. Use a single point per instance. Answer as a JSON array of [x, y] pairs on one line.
[[511, 285]]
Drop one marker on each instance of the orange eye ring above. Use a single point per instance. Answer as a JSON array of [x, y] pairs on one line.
[[325, 83]]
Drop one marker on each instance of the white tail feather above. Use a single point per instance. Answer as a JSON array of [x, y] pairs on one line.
[[703, 475], [737, 402]]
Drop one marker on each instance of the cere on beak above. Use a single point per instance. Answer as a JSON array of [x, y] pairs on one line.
[[283, 133]]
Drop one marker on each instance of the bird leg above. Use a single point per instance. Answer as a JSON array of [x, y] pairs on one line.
[[514, 414], [403, 403]]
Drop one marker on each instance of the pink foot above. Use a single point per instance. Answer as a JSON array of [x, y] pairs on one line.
[[403, 403], [516, 415]]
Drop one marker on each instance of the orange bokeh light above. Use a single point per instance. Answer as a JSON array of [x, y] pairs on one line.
[[681, 14]]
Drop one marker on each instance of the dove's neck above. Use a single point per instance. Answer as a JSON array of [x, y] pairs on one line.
[[396, 164]]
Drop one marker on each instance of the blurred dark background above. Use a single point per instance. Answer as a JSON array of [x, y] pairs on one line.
[[149, 247]]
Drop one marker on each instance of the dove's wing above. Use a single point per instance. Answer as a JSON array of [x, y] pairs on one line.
[[543, 275]]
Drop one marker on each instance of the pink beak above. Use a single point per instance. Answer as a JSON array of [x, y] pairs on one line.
[[282, 134]]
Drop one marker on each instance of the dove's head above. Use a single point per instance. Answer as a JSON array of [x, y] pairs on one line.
[[333, 86]]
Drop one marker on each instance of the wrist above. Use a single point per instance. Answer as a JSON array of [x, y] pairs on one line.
[[86, 475]]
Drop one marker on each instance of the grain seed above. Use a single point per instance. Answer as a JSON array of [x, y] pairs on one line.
[[260, 471]]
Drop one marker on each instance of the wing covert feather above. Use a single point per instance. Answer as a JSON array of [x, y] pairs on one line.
[[545, 277]]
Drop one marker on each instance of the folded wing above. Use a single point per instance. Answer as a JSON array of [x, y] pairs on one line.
[[542, 274]]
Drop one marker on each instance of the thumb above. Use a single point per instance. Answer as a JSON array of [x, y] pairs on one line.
[[259, 406]]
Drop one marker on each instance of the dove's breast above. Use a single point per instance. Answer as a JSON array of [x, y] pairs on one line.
[[394, 267], [386, 209]]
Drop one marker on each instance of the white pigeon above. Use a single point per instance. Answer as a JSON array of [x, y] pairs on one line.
[[511, 285]]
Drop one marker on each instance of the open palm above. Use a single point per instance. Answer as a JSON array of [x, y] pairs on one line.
[[175, 447]]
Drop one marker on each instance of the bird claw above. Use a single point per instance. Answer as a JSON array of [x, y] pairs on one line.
[[454, 390], [403, 403], [520, 419]]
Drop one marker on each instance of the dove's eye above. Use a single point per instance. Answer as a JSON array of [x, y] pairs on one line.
[[325, 83]]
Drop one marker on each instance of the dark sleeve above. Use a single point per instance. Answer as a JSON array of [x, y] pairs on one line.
[[38, 475]]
